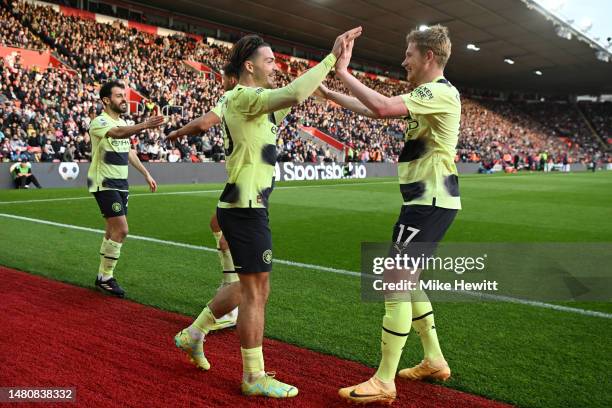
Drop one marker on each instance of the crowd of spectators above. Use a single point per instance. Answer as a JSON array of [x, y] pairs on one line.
[[13, 33], [501, 132], [600, 116], [45, 114], [561, 120]]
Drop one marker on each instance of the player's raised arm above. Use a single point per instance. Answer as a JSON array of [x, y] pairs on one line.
[[115, 103], [380, 105], [302, 87], [260, 61], [201, 124], [123, 132], [346, 101], [215, 115]]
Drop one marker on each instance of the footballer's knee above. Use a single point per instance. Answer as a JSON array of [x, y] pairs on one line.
[[255, 288], [117, 228]]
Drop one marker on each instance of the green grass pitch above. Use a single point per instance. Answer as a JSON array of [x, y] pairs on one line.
[[521, 354]]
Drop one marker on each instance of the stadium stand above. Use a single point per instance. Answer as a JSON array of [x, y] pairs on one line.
[[13, 33], [600, 116], [45, 113]]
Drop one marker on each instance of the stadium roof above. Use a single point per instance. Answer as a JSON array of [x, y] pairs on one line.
[[500, 28]]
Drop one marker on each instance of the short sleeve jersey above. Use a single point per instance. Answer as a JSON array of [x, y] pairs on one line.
[[250, 140], [219, 106], [109, 158], [426, 166]]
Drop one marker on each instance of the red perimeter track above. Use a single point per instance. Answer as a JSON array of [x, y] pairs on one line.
[[117, 353]]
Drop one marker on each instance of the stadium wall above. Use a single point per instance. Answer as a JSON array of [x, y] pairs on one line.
[[65, 175]]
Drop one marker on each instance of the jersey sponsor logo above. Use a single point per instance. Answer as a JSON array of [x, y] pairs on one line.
[[267, 256], [116, 207], [103, 122], [289, 171], [120, 142]]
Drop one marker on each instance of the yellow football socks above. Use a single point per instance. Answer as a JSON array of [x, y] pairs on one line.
[[227, 263], [205, 321], [109, 255], [395, 329], [252, 363], [423, 323]]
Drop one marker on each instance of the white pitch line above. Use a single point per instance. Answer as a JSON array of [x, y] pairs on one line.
[[500, 298], [535, 303], [174, 243], [47, 200]]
